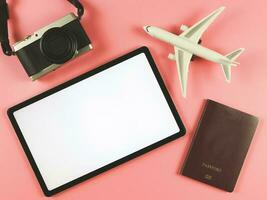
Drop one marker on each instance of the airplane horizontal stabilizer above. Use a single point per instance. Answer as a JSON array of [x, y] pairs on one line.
[[227, 67]]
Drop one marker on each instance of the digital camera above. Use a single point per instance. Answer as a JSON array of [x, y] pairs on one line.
[[51, 46]]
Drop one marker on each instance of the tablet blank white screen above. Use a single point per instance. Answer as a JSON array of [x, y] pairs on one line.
[[96, 121]]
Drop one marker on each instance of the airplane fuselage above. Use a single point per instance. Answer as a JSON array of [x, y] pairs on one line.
[[186, 45]]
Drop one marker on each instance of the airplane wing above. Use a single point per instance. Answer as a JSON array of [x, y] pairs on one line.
[[195, 32], [182, 61]]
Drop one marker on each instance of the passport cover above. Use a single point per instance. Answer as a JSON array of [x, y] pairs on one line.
[[219, 146]]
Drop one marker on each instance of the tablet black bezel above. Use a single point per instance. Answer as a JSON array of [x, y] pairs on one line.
[[21, 138]]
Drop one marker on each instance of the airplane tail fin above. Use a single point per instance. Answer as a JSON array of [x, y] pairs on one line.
[[227, 67]]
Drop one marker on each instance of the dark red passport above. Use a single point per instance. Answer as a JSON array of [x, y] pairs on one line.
[[219, 146]]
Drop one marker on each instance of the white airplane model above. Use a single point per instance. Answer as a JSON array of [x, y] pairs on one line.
[[186, 45]]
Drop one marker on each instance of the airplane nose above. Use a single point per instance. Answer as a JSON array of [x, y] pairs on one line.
[[146, 28]]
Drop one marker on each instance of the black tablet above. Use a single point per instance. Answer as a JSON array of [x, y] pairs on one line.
[[96, 121]]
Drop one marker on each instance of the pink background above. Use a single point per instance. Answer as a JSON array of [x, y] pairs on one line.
[[115, 28]]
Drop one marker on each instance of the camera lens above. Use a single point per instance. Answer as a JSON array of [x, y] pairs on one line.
[[58, 45]]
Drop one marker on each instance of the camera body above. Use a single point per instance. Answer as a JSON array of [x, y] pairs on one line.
[[53, 45]]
